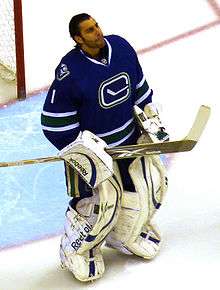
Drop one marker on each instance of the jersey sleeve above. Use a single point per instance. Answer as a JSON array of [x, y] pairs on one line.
[[144, 93], [60, 119]]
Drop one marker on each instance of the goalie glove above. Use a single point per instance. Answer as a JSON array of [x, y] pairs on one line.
[[150, 123], [88, 157]]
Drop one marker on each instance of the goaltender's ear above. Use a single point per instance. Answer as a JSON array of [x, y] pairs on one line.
[[78, 39]]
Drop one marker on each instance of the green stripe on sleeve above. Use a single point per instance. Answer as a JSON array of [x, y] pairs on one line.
[[142, 90], [58, 121]]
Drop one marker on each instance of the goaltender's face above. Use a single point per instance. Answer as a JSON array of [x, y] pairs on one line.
[[91, 36]]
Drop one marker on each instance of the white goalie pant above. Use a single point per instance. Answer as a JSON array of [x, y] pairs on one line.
[[87, 226], [134, 233]]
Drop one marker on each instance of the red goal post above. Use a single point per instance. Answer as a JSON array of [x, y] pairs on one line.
[[12, 66]]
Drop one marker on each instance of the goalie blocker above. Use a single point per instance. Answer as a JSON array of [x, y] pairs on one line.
[[88, 157]]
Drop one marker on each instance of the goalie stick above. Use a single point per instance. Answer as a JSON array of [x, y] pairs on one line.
[[133, 151], [185, 144]]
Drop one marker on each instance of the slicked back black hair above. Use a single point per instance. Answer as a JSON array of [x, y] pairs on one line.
[[74, 24]]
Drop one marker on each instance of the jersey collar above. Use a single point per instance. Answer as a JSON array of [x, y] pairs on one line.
[[99, 62]]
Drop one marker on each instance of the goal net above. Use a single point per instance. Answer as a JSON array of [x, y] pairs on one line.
[[11, 44]]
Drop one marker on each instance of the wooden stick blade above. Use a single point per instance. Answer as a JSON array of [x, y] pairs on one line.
[[199, 124]]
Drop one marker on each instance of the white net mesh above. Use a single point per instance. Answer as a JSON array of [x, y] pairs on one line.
[[7, 40]]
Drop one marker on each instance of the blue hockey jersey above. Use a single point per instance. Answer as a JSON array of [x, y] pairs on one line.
[[96, 95]]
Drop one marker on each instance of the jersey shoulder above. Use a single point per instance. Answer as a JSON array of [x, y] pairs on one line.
[[68, 65], [119, 41]]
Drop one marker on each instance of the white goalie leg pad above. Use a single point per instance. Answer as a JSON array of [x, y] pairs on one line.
[[109, 192], [133, 232], [88, 265], [85, 267], [86, 228]]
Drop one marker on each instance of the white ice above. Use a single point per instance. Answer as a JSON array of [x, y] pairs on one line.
[[184, 74]]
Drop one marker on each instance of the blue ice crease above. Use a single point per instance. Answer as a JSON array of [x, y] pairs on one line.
[[33, 198]]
